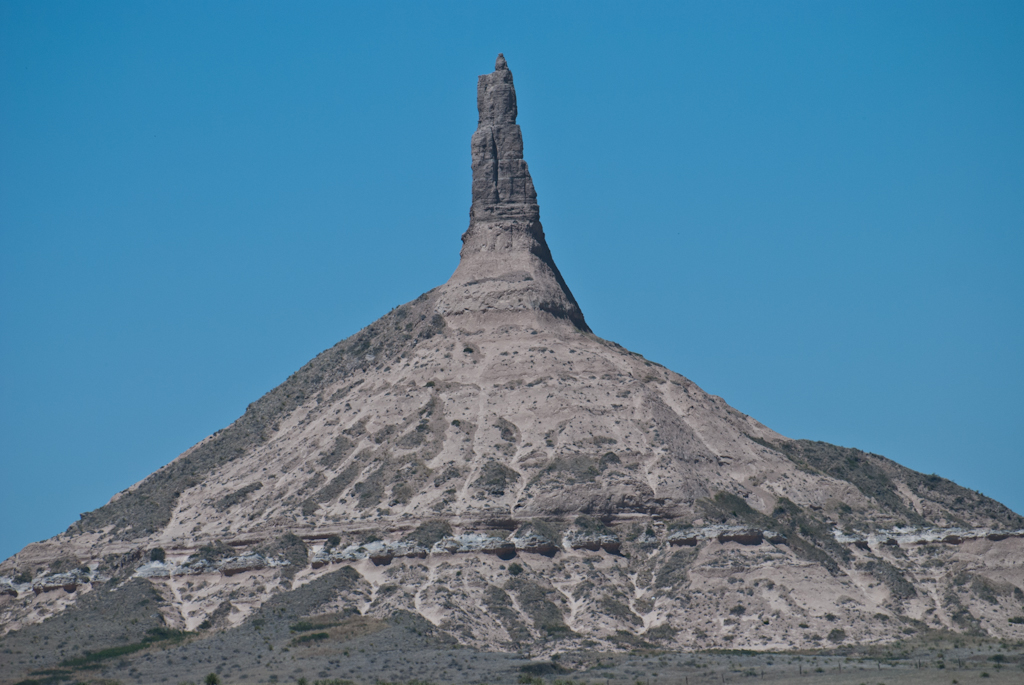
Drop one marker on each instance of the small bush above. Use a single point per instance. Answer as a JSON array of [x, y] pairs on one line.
[[157, 554], [212, 679], [514, 569], [837, 635], [738, 610], [1019, 620]]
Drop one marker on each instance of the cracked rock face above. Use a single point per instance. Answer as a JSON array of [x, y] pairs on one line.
[[409, 465]]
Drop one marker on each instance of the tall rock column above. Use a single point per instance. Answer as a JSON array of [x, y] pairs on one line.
[[506, 266]]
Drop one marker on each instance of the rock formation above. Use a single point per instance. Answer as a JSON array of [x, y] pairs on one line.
[[506, 265], [405, 468]]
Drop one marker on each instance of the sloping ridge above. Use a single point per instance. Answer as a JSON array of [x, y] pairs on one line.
[[484, 422]]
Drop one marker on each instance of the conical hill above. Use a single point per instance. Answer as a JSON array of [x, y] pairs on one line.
[[480, 461]]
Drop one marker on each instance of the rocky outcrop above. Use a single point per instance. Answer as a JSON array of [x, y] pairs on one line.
[[906, 536], [476, 542], [593, 542], [744, 535], [534, 543], [506, 267], [230, 566], [68, 582], [502, 187], [381, 553]]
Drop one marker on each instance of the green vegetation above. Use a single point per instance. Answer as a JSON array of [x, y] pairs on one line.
[[508, 431], [338, 484], [291, 548], [370, 490], [157, 554], [212, 552], [342, 447], [309, 637], [734, 504], [611, 606], [495, 478], [535, 601], [429, 532], [237, 496], [154, 637], [307, 626], [574, 468], [892, 577], [589, 524], [674, 570]]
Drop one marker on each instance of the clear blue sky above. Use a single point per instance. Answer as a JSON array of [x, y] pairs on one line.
[[813, 210]]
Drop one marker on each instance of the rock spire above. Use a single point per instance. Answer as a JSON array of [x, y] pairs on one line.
[[502, 187], [506, 267]]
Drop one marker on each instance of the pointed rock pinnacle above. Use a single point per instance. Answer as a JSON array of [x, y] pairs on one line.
[[502, 187], [506, 265]]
